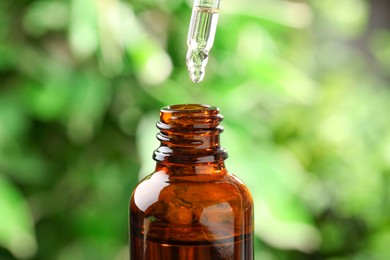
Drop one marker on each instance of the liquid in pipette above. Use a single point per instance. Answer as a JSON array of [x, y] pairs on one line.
[[200, 40]]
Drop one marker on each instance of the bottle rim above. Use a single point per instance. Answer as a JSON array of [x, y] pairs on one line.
[[189, 108]]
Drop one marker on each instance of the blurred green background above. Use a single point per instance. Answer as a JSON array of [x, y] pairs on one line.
[[303, 86]]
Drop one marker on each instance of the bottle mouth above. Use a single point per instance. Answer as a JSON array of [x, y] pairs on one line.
[[189, 108], [190, 117]]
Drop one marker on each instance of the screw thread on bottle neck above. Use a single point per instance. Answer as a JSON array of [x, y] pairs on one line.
[[189, 134]]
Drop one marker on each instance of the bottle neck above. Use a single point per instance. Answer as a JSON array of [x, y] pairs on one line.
[[189, 137], [179, 170]]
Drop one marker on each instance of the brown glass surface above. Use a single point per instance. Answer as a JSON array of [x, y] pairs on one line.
[[191, 207]]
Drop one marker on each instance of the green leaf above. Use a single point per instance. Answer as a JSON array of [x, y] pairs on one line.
[[16, 225]]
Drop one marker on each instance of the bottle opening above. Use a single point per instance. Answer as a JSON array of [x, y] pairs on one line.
[[189, 107], [189, 117]]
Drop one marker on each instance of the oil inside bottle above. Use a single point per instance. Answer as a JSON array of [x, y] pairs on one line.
[[206, 217], [226, 249]]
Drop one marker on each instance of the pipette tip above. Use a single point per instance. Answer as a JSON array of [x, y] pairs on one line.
[[196, 74], [196, 64]]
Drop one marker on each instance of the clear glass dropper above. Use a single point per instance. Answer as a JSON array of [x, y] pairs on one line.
[[201, 36]]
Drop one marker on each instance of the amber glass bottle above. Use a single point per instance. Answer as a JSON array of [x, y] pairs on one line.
[[191, 207]]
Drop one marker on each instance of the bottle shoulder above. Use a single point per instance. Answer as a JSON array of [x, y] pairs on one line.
[[190, 191]]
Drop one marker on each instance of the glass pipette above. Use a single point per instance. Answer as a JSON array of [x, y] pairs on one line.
[[201, 36]]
